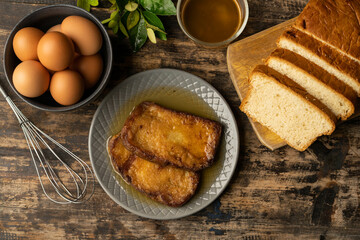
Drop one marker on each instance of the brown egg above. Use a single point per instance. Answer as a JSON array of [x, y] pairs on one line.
[[90, 68], [84, 33], [55, 51], [31, 79], [67, 87], [25, 43], [56, 28]]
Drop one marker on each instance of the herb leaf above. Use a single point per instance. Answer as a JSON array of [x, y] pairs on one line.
[[155, 21], [131, 6], [122, 24], [132, 19], [114, 26], [138, 35], [106, 21], [151, 35], [123, 29], [113, 21], [154, 28], [86, 4], [159, 7]]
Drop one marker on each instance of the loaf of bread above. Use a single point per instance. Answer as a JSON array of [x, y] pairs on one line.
[[335, 22], [313, 77], [286, 108], [328, 89], [334, 62]]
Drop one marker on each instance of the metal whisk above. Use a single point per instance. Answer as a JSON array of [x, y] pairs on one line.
[[35, 138]]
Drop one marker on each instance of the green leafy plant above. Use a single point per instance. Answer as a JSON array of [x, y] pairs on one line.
[[86, 4], [136, 19]]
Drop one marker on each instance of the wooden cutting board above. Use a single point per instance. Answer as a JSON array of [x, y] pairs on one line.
[[242, 57]]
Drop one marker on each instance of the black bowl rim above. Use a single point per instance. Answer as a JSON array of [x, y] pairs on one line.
[[102, 84]]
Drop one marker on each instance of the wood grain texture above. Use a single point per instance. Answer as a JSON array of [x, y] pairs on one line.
[[281, 194]]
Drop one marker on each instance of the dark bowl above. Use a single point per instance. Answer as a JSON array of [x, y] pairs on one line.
[[44, 18]]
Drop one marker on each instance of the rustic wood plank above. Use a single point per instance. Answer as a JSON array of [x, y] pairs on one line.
[[283, 194]]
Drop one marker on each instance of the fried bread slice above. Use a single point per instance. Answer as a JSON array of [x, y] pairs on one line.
[[166, 136], [166, 184]]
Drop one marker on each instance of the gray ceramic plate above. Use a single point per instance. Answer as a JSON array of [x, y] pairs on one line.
[[177, 90]]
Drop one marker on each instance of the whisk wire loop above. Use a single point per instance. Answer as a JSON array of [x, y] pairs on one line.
[[35, 138]]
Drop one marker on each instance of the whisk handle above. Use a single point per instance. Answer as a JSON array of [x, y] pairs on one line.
[[21, 118], [3, 92]]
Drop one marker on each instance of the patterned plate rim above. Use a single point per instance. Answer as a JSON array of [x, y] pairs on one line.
[[114, 92]]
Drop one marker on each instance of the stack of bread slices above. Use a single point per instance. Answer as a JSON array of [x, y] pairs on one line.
[[312, 79]]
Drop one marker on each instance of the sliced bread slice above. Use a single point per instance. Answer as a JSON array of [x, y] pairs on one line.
[[332, 92], [344, 68], [284, 107], [335, 22]]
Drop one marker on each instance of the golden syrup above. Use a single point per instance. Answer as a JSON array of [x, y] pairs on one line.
[[211, 21]]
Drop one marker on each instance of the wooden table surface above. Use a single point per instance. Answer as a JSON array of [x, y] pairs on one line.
[[284, 194]]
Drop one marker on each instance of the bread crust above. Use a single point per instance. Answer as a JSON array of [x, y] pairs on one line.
[[329, 81], [334, 22], [165, 184], [178, 138]]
